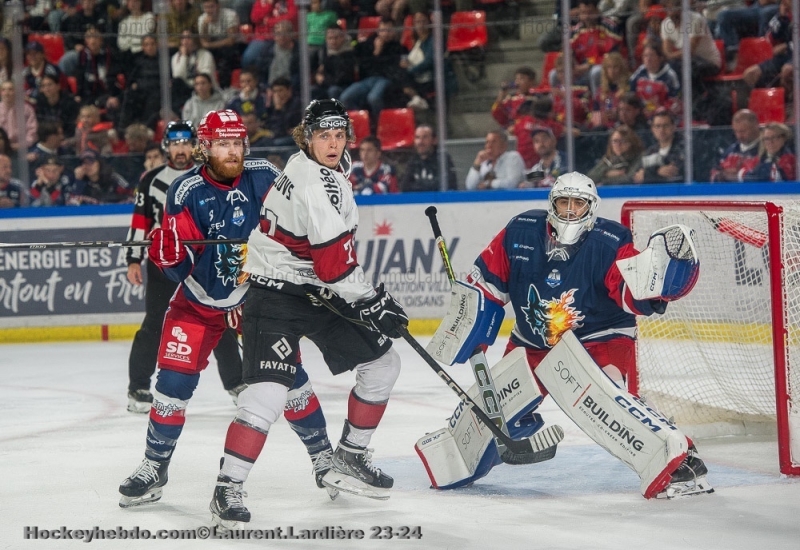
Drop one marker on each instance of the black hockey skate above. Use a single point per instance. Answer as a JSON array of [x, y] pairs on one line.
[[321, 464], [139, 401], [144, 485], [352, 472], [227, 509], [689, 478]]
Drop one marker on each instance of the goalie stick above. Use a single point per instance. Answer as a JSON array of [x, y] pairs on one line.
[[480, 368], [737, 230], [111, 244], [537, 448], [483, 375]]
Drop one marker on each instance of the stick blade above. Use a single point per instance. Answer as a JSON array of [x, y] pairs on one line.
[[539, 447]]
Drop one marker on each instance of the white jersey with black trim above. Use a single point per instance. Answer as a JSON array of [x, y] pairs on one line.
[[307, 230]]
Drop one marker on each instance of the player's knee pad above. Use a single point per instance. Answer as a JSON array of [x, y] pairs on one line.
[[375, 380], [261, 404]]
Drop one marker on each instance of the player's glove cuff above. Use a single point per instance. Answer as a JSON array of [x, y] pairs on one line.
[[383, 313], [166, 248]]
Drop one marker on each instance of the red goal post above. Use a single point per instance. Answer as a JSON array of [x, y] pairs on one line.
[[725, 359]]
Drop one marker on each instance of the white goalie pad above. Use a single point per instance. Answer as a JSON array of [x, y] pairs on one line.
[[667, 269], [622, 424], [453, 454], [471, 321]]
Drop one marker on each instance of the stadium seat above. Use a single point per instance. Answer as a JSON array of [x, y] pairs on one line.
[[367, 26], [235, 74], [161, 127], [548, 65], [467, 31], [768, 104], [751, 52], [360, 120], [72, 83], [52, 43], [396, 128], [342, 23], [407, 38]]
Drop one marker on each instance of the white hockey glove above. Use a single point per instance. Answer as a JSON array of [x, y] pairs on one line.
[[667, 269]]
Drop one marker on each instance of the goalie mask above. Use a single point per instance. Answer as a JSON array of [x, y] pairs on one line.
[[574, 217], [327, 114], [216, 125]]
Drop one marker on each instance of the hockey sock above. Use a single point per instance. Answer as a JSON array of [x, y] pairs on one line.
[[304, 414], [362, 417], [168, 412], [260, 405]]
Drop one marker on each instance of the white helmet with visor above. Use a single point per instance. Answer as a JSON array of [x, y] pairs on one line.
[[572, 218]]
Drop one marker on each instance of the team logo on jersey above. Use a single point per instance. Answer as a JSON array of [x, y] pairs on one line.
[[234, 196], [552, 318], [238, 216], [230, 258], [553, 279]]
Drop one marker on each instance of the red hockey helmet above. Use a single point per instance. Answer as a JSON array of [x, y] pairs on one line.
[[224, 124]]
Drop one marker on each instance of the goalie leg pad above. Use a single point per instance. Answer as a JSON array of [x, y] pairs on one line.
[[616, 420], [465, 450], [471, 321]]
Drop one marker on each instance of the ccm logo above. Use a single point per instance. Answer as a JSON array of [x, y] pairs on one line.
[[179, 348]]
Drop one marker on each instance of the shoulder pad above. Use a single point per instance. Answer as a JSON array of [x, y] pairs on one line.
[[184, 186], [611, 231]]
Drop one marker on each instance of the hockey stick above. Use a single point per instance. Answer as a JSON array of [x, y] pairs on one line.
[[111, 244], [737, 230], [480, 367], [537, 448]]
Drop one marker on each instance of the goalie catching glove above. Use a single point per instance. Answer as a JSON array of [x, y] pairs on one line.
[[667, 269], [166, 248], [382, 312]]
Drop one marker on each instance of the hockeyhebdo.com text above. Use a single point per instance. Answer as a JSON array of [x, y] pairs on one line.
[[213, 533]]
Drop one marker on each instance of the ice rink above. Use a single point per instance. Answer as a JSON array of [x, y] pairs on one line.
[[67, 443]]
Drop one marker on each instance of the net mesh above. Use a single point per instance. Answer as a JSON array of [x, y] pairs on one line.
[[709, 359]]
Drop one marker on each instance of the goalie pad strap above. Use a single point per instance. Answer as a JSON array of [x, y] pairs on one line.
[[616, 420], [471, 321]]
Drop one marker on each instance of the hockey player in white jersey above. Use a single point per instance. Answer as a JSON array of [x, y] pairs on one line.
[[301, 259]]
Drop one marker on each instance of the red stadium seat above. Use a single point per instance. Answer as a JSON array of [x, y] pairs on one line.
[[245, 33], [360, 120], [367, 26], [235, 74], [396, 128], [467, 31], [53, 45], [407, 38], [751, 52], [72, 82], [768, 104], [161, 127], [548, 65], [342, 23]]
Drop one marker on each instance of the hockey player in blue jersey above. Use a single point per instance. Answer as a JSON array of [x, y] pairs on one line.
[[571, 276], [219, 199]]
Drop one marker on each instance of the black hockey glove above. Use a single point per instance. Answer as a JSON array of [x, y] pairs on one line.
[[383, 313]]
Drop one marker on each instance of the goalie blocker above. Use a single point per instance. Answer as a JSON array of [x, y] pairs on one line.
[[465, 451]]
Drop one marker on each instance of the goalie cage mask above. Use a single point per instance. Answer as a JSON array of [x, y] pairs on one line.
[[572, 185]]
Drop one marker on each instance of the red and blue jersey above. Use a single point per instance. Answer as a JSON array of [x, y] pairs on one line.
[[206, 209], [553, 289]]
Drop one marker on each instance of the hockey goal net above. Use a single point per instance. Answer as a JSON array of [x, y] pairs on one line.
[[725, 359]]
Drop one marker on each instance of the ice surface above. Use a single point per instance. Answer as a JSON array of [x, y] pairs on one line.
[[66, 442]]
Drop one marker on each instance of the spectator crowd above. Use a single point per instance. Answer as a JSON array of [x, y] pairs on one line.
[[100, 101]]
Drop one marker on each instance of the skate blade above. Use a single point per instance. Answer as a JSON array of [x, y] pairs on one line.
[[350, 485], [151, 496], [697, 486], [224, 525], [138, 407]]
